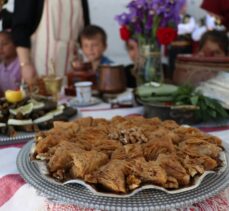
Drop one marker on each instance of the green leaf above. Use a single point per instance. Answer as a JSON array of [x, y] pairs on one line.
[[194, 100], [202, 105], [222, 112], [209, 102], [213, 113]]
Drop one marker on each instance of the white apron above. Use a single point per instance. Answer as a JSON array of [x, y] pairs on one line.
[[56, 35]]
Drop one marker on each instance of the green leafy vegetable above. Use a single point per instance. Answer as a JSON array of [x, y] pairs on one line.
[[209, 109]]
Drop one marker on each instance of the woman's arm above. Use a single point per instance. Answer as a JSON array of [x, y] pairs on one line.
[[28, 70], [26, 17]]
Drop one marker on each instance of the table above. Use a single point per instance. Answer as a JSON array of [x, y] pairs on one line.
[[17, 195]]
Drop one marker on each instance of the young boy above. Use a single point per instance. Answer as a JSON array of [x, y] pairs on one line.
[[10, 75], [214, 43], [93, 42]]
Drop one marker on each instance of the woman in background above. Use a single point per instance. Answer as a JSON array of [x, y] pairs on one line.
[[54, 26], [6, 14]]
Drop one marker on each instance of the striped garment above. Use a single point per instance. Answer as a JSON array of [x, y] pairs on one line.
[[56, 35]]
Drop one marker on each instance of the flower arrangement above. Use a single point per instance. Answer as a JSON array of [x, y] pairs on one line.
[[150, 21]]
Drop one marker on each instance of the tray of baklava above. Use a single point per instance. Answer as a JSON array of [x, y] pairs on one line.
[[126, 155]]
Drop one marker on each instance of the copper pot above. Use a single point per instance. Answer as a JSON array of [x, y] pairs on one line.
[[111, 79]]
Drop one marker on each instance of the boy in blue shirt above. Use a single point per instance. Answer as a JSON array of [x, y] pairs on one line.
[[93, 42]]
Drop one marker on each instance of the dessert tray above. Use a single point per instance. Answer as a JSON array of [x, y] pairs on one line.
[[145, 198], [43, 169], [126, 163]]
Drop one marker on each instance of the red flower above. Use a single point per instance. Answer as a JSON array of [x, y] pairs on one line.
[[166, 35], [124, 33]]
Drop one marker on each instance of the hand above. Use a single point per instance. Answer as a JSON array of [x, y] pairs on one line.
[[28, 73]]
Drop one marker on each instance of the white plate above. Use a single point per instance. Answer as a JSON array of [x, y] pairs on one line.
[[75, 103]]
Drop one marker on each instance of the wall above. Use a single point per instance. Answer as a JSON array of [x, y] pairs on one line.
[[194, 8]]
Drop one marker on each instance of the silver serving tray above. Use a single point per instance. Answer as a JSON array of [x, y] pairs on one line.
[[146, 200], [20, 137]]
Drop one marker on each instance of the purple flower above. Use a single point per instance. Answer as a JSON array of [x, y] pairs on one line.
[[122, 19], [144, 17], [138, 29], [149, 22]]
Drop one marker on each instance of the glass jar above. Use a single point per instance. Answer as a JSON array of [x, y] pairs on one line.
[[149, 65]]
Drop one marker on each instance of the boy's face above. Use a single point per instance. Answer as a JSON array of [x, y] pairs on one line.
[[212, 49], [7, 48], [93, 48]]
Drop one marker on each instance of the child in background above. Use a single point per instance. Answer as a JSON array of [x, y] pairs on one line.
[[10, 74], [214, 43], [130, 70], [132, 49], [93, 42]]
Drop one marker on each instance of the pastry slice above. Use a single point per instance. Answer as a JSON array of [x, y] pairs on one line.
[[85, 162], [147, 172], [111, 176], [173, 168]]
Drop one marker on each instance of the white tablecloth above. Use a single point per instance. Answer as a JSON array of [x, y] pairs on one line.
[[17, 195]]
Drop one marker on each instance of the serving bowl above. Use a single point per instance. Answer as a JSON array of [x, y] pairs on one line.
[[184, 114]]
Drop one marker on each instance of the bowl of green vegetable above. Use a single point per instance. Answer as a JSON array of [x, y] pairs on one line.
[[183, 104]]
